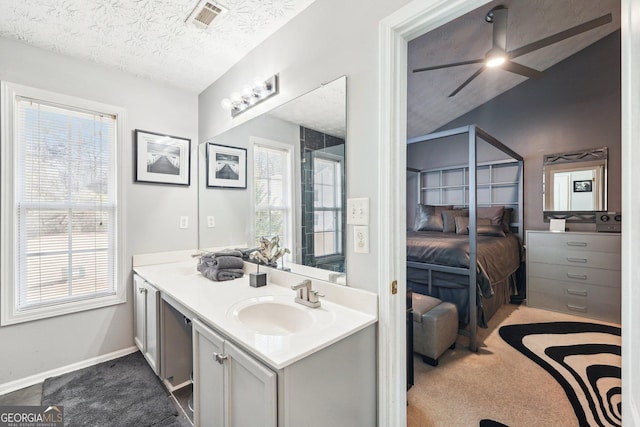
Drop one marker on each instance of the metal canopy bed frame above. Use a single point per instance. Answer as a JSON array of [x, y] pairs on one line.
[[474, 132]]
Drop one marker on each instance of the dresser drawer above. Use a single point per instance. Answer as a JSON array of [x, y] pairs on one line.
[[577, 275], [571, 257], [600, 303], [580, 242]]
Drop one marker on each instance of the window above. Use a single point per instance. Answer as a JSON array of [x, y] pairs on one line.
[[60, 194], [272, 191], [327, 205]]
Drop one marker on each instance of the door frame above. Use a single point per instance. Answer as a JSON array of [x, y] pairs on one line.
[[395, 31]]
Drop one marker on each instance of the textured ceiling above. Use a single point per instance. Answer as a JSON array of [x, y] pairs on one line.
[[470, 37], [148, 38], [323, 109]]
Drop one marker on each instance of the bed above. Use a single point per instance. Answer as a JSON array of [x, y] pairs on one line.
[[478, 231], [498, 260]]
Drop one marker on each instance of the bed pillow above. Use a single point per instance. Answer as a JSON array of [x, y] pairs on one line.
[[494, 213], [490, 230], [449, 219], [429, 218], [462, 223], [506, 220]]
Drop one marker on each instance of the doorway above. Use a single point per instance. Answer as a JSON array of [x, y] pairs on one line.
[[418, 18]]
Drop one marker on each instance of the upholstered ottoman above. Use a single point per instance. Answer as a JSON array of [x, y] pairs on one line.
[[435, 327]]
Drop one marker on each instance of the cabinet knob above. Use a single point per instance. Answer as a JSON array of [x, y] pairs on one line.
[[220, 357], [142, 290]]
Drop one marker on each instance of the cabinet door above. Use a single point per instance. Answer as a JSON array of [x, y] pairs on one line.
[[139, 301], [251, 390], [208, 377], [152, 318]]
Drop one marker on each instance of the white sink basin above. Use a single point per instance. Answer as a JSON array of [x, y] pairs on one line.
[[273, 315]]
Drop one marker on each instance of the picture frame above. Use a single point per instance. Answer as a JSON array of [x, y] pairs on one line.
[[162, 159], [226, 166], [584, 186]]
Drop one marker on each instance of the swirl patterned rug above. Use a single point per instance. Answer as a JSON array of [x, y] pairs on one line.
[[585, 359]]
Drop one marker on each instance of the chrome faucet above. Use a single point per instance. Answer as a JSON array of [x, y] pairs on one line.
[[305, 295]]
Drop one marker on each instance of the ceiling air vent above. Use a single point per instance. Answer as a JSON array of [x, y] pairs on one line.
[[204, 13]]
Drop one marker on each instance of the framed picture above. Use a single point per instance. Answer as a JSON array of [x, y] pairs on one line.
[[162, 159], [582, 186], [226, 166]]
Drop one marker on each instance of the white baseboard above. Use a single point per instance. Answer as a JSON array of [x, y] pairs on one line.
[[38, 378]]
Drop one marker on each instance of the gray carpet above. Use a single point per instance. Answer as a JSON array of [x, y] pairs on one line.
[[121, 392]]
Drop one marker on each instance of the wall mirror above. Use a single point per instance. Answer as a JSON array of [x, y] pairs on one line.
[[575, 184], [296, 186]]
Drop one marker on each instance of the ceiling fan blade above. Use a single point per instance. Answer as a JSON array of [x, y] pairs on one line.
[[562, 35], [476, 74], [453, 64], [521, 69]]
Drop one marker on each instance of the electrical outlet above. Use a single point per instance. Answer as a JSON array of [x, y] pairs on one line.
[[361, 239], [184, 222], [211, 221], [358, 211]]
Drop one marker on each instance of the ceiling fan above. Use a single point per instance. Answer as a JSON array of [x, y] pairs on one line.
[[499, 57]]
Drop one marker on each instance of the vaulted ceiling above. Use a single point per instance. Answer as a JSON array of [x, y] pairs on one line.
[[470, 37], [148, 38]]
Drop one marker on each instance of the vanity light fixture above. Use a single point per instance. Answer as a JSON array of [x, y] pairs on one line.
[[251, 95]]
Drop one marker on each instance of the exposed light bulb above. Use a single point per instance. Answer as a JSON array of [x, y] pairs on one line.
[[226, 104]]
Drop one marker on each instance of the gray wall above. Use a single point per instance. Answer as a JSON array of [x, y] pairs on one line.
[[305, 53], [34, 347], [576, 105]]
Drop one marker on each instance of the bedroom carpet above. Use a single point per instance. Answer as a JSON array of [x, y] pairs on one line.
[[497, 383], [121, 392]]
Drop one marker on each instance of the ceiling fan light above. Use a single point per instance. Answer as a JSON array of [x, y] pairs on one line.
[[495, 61]]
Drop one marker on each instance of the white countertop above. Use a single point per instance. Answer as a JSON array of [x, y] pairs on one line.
[[343, 310]]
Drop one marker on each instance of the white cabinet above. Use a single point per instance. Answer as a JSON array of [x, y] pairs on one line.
[[147, 319], [230, 388], [575, 272]]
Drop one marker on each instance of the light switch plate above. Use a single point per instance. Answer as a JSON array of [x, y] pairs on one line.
[[184, 222], [361, 239], [211, 221], [358, 211]]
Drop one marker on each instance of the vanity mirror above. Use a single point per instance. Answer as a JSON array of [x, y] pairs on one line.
[[296, 186], [575, 184]]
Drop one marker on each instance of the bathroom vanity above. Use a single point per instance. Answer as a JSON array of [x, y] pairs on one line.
[[256, 356]]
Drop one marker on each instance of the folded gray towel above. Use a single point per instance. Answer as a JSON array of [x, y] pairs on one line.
[[228, 274], [227, 252], [226, 262], [219, 275]]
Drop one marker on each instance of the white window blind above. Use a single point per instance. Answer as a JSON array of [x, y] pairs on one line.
[[272, 183], [65, 204], [327, 206]]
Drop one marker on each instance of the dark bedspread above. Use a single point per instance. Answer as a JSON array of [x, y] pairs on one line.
[[498, 258]]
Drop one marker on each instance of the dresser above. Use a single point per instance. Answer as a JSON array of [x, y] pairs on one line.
[[574, 272]]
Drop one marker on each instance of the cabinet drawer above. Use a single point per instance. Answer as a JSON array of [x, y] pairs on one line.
[[574, 292], [574, 257], [588, 307], [577, 275], [576, 241]]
